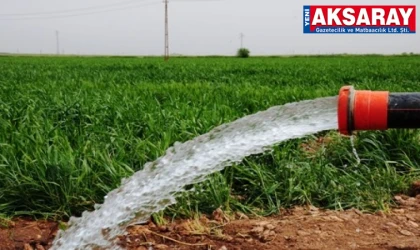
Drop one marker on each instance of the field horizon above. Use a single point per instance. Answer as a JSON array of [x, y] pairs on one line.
[[5, 54]]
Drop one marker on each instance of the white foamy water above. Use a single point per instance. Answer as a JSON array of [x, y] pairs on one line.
[[155, 187]]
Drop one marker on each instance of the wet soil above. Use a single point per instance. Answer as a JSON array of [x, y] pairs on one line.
[[297, 228], [26, 234]]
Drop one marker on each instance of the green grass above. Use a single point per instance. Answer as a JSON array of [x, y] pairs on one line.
[[71, 128]]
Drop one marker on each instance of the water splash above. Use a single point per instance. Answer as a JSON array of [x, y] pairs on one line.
[[354, 149], [155, 187]]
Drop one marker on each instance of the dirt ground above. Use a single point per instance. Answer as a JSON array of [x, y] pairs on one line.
[[298, 228]]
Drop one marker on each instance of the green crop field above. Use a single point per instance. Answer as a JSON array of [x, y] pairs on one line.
[[71, 128]]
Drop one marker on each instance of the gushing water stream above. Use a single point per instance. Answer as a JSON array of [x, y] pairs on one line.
[[155, 187]]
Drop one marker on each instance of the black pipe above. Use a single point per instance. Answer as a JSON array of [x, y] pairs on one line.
[[404, 110], [376, 110]]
